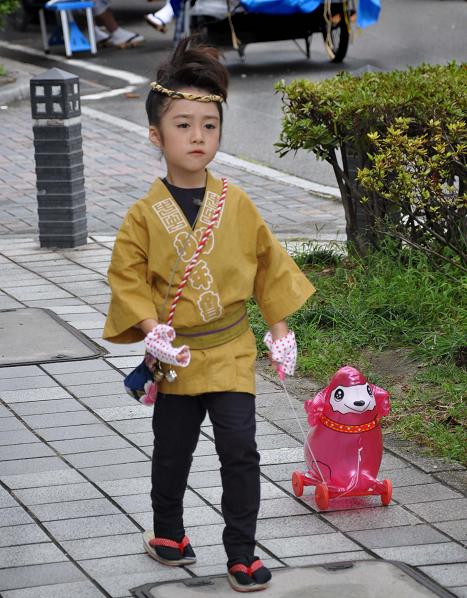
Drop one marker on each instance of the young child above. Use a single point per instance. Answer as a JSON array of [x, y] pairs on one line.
[[211, 345]]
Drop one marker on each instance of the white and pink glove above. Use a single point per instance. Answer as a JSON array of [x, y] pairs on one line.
[[283, 351], [159, 344]]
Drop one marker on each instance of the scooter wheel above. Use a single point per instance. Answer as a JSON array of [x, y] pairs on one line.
[[387, 492], [322, 496], [297, 483]]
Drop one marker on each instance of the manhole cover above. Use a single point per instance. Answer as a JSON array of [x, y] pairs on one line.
[[360, 579], [35, 335]]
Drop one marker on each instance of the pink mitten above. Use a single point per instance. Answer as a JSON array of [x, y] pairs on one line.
[[159, 345], [283, 351]]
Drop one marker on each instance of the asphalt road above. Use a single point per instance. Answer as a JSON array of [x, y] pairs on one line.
[[409, 32]]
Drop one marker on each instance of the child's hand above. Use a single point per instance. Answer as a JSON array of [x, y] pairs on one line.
[[283, 353], [159, 344]]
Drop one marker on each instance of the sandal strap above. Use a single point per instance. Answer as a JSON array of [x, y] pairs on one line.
[[170, 543], [239, 568]]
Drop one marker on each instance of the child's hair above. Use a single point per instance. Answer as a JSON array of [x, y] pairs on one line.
[[196, 66]]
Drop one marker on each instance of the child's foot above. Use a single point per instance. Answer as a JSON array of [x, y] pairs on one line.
[[167, 551], [122, 38], [248, 574]]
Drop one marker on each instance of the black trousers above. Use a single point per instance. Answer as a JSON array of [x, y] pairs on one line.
[[176, 424]]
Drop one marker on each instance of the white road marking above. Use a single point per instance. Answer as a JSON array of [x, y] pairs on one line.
[[223, 158]]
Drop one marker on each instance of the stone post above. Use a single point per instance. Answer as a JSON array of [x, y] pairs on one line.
[[56, 110]]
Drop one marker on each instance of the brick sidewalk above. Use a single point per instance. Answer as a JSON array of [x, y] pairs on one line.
[[75, 450], [75, 466], [119, 168]]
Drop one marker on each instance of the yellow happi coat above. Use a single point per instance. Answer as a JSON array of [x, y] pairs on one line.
[[241, 259]]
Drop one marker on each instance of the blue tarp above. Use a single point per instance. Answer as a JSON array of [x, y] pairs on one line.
[[367, 12]]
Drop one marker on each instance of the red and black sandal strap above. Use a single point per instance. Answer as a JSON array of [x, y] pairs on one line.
[[239, 568], [170, 543]]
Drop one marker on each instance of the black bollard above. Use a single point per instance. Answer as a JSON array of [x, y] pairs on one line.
[[56, 110]]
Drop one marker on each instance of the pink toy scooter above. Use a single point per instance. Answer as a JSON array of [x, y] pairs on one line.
[[344, 447]]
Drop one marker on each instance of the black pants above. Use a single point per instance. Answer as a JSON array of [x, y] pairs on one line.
[[176, 424]]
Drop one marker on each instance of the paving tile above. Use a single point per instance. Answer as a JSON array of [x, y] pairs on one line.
[[214, 494], [20, 371], [107, 402], [91, 527], [84, 589], [402, 535], [90, 507], [424, 493], [72, 367], [281, 455], [204, 479], [460, 591], [455, 529], [136, 411], [44, 478], [73, 432], [205, 535], [98, 376], [287, 527], [71, 418], [282, 471], [377, 517], [25, 466], [431, 554], [281, 507], [192, 516], [25, 451], [34, 554], [309, 545], [119, 472], [13, 516], [51, 407], [57, 494], [408, 477], [9, 424], [126, 486], [443, 510], [6, 500], [36, 394], [447, 575], [321, 559], [110, 457], [39, 575], [27, 382], [107, 546], [277, 441], [124, 362], [16, 437], [87, 445], [96, 389], [14, 535], [131, 426]]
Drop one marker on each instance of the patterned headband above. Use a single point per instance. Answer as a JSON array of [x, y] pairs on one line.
[[181, 95]]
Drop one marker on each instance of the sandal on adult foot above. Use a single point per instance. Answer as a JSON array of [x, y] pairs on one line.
[[248, 574], [169, 552], [156, 22]]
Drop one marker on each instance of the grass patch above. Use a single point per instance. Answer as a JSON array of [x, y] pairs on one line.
[[392, 299], [3, 71]]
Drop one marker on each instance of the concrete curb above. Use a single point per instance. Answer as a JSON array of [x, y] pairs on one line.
[[19, 89]]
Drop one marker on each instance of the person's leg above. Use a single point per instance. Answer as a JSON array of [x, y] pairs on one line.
[[233, 418], [234, 425], [118, 35], [176, 425]]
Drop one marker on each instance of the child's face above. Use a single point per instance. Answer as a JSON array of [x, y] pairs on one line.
[[188, 135]]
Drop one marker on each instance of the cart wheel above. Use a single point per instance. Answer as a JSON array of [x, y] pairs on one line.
[[297, 483], [338, 40], [387, 493], [322, 496]]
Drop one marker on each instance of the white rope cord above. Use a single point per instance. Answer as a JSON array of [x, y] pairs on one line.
[[305, 438]]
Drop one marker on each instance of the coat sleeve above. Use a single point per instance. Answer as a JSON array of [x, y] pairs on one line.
[[131, 299], [280, 287]]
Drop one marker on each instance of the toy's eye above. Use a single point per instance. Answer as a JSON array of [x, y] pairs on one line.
[[339, 394], [369, 391]]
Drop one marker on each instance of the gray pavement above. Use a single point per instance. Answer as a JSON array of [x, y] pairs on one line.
[[75, 450]]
